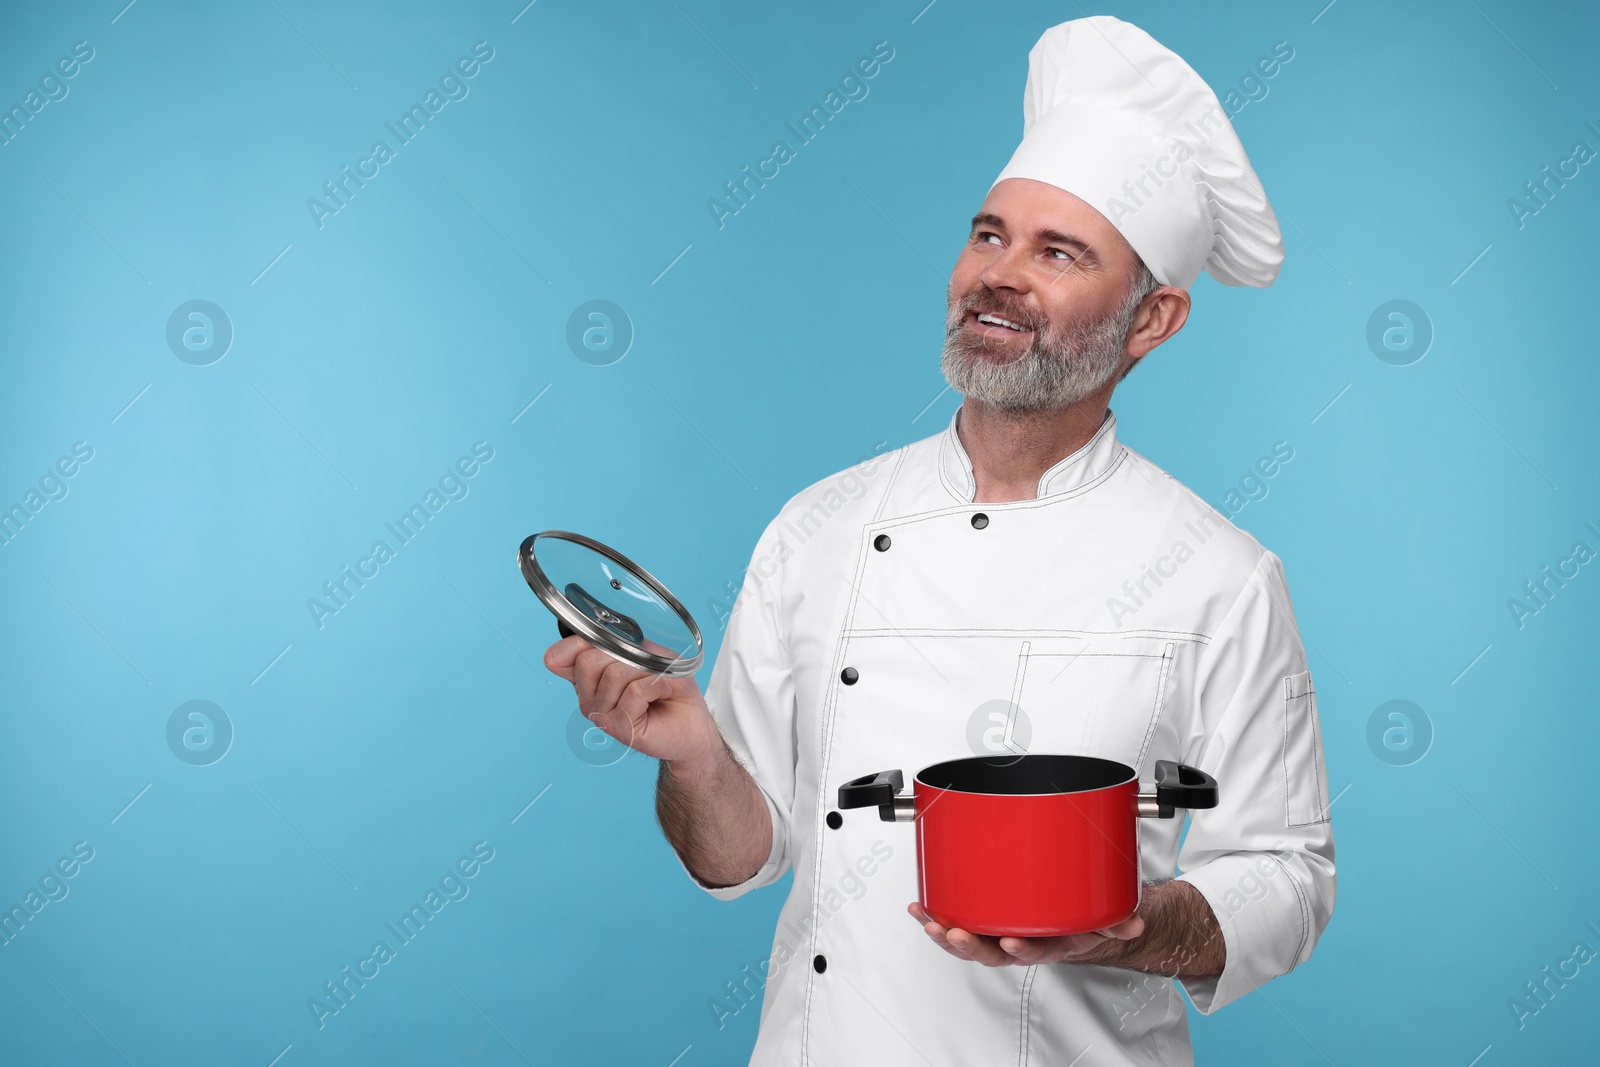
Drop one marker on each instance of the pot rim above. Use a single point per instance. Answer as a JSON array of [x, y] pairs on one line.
[[1122, 774]]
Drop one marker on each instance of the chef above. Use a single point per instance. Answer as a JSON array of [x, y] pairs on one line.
[[1023, 566]]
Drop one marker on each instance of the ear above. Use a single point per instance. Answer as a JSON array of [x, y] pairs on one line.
[[1162, 314]]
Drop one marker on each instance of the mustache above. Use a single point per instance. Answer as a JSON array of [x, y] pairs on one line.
[[986, 301]]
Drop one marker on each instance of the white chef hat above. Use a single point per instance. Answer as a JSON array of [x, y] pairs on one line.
[[1123, 123]]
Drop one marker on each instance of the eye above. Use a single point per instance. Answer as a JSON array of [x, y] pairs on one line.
[[1065, 257], [982, 237]]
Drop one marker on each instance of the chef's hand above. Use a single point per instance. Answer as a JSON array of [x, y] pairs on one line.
[[662, 717], [1022, 951]]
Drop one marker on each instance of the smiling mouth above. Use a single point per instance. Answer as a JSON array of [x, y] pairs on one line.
[[995, 325]]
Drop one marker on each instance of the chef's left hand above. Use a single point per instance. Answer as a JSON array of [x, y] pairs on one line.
[[1021, 951]]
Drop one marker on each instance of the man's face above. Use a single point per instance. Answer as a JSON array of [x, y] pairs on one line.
[[1038, 309]]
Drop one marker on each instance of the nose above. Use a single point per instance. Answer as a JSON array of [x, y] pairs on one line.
[[1005, 271]]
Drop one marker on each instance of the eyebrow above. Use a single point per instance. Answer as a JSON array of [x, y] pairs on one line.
[[1045, 236]]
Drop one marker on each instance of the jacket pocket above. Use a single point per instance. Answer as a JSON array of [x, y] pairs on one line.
[[1305, 774], [1100, 697]]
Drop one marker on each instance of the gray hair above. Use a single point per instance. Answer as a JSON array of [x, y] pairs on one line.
[[1141, 283], [1064, 363]]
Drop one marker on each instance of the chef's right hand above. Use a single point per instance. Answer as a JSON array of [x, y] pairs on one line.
[[662, 717]]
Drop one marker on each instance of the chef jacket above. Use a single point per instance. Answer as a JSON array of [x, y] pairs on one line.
[[884, 621]]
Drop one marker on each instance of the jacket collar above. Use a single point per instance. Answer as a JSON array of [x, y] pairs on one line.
[[1082, 468]]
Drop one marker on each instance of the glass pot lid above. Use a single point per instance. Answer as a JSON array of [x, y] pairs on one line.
[[610, 601]]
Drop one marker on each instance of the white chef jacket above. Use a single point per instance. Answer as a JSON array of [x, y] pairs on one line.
[[1127, 620]]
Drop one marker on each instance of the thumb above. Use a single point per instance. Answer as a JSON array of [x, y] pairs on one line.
[[1126, 930], [561, 657]]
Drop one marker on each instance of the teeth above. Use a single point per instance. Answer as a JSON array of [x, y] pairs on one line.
[[996, 320]]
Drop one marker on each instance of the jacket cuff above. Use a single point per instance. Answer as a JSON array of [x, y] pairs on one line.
[[1259, 917]]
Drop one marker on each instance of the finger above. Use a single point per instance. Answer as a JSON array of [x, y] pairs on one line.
[[935, 931], [616, 677], [1126, 930], [979, 949], [604, 712], [587, 669], [637, 696], [632, 712], [1031, 950], [930, 926], [939, 939], [561, 656]]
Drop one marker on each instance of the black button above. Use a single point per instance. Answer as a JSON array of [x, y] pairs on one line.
[[979, 521], [849, 675], [820, 963], [835, 820], [881, 542]]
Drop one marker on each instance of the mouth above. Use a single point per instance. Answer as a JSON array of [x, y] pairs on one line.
[[988, 324]]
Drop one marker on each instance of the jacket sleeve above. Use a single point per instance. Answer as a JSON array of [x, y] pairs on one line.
[[751, 696], [1263, 858]]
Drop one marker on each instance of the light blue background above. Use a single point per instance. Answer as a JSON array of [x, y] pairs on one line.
[[431, 310]]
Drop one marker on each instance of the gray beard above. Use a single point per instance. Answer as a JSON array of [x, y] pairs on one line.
[[1063, 364]]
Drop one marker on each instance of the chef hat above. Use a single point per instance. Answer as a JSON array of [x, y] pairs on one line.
[[1122, 122]]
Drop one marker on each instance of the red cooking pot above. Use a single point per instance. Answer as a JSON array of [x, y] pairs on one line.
[[1032, 845]]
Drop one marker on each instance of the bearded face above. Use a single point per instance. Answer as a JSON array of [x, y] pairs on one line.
[[998, 351]]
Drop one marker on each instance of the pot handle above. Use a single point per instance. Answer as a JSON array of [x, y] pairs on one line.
[[879, 791], [1178, 786]]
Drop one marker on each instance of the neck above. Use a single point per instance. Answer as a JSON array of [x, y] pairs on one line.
[[1010, 452]]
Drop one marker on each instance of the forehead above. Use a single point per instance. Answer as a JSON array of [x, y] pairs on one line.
[[1028, 207]]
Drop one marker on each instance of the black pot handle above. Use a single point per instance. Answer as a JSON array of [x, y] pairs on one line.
[[563, 629], [874, 791], [1178, 786]]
